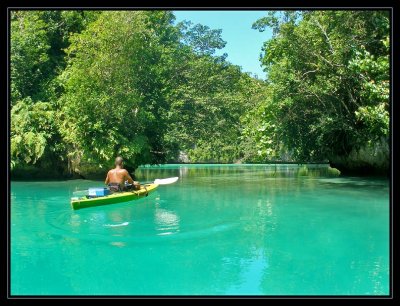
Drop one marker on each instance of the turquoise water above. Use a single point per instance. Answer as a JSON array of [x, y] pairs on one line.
[[219, 230]]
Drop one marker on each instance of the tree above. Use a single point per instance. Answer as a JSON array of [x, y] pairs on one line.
[[36, 59], [329, 80], [114, 101], [206, 97], [90, 85]]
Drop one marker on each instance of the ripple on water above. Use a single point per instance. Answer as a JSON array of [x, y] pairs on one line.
[[352, 181], [116, 225], [165, 226]]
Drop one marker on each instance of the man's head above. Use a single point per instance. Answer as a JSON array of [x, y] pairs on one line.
[[119, 161]]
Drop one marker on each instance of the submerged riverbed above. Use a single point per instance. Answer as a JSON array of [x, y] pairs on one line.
[[219, 230]]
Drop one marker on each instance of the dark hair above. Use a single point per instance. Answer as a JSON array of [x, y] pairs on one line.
[[119, 161]]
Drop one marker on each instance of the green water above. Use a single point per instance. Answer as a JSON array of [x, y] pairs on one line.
[[220, 230]]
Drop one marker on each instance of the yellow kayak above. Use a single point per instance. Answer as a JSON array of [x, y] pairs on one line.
[[117, 197]]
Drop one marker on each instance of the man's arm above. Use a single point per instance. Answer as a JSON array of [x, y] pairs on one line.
[[107, 178], [128, 178]]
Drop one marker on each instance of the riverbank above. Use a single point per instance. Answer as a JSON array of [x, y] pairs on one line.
[[32, 173]]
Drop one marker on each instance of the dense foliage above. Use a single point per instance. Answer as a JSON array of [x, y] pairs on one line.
[[36, 59], [89, 85], [329, 83]]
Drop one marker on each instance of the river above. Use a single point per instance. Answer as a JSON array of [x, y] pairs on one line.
[[219, 230]]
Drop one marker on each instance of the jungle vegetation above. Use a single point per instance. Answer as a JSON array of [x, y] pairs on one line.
[[89, 85]]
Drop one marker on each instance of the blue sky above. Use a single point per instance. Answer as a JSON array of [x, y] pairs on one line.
[[243, 44]]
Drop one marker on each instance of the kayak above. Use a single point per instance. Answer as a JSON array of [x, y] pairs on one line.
[[117, 197]]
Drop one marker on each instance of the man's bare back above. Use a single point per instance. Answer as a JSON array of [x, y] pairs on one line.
[[118, 175]]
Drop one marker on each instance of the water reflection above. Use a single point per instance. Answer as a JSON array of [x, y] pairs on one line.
[[166, 221], [119, 244], [116, 225], [183, 171], [253, 271], [149, 173]]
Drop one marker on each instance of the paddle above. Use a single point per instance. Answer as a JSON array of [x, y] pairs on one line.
[[166, 181]]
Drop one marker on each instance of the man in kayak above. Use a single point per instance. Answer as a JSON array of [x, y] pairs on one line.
[[117, 177]]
